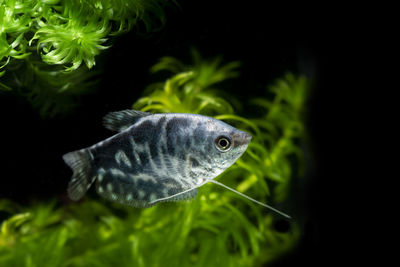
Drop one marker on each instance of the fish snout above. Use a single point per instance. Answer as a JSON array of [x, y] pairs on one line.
[[247, 137], [241, 138]]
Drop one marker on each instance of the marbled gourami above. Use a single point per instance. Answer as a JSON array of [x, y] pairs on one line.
[[156, 157]]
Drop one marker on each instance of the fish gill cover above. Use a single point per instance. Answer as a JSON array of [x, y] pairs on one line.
[[217, 227]]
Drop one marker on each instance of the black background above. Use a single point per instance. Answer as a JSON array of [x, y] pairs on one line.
[[269, 41]]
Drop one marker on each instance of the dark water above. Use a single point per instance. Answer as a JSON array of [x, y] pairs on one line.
[[269, 41]]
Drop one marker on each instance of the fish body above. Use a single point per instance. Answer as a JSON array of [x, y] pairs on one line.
[[155, 157]]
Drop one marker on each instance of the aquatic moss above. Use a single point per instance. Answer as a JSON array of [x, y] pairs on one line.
[[217, 228]]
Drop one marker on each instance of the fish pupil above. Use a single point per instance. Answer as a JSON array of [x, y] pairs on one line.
[[223, 143]]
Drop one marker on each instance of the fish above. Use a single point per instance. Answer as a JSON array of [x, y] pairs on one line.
[[155, 158]]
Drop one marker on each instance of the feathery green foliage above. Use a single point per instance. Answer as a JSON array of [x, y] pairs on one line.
[[190, 89], [53, 38], [217, 228], [69, 32]]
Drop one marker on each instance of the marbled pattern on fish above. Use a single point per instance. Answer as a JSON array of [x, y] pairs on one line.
[[154, 157]]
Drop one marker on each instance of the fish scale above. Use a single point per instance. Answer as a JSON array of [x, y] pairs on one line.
[[156, 157]]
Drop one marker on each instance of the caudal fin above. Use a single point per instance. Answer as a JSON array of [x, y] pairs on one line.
[[79, 162]]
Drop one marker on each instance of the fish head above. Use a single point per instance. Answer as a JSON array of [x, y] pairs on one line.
[[221, 144]]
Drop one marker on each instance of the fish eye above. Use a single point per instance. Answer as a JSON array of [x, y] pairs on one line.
[[223, 143]]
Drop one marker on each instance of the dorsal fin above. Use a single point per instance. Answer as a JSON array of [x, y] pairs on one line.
[[121, 120]]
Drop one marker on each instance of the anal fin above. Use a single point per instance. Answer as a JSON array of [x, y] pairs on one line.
[[141, 191], [116, 187]]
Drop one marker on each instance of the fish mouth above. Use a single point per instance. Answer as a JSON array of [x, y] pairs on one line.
[[242, 138], [247, 137]]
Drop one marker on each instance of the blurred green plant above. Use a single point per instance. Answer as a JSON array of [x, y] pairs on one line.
[[50, 91], [48, 40], [217, 228]]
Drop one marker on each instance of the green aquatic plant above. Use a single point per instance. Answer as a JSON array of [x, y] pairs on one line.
[[190, 89], [56, 38], [217, 228], [50, 92], [69, 32]]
